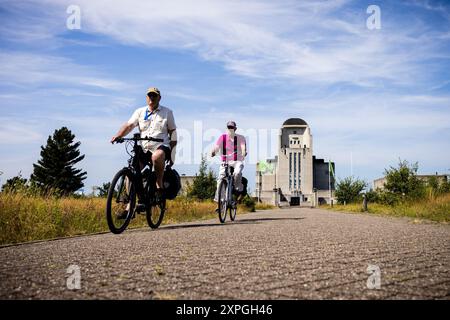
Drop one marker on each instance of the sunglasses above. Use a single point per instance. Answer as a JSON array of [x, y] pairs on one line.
[[231, 127], [153, 95]]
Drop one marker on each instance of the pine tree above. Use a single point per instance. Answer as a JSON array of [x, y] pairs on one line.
[[55, 171], [204, 184]]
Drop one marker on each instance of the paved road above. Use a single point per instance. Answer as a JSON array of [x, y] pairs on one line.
[[277, 254]]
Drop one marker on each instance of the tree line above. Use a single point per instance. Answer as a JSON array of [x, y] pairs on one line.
[[402, 185], [55, 173]]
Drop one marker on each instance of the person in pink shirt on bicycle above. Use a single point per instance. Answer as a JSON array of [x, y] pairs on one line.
[[233, 150]]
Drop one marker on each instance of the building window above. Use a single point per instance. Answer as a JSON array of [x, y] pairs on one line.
[[299, 171], [295, 170], [290, 170]]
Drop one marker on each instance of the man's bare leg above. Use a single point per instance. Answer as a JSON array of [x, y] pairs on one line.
[[158, 159]]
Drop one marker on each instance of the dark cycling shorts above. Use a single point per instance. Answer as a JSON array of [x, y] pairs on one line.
[[146, 157]]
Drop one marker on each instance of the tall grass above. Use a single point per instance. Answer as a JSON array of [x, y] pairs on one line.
[[435, 208], [27, 217]]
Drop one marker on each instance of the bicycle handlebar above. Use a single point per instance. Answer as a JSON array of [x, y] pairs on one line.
[[121, 140]]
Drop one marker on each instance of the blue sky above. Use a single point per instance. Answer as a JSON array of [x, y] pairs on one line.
[[372, 96]]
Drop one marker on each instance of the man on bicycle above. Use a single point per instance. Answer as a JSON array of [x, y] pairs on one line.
[[234, 150], [155, 121]]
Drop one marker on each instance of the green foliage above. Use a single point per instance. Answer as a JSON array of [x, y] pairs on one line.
[[55, 171], [437, 187], [433, 183], [249, 203], [204, 184], [403, 181], [348, 189], [15, 184], [444, 187], [103, 190], [403, 186], [372, 196], [387, 198]]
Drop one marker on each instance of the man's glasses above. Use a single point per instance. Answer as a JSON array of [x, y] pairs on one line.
[[231, 127], [152, 95]]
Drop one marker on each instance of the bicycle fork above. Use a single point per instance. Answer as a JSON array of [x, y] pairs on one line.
[[230, 192]]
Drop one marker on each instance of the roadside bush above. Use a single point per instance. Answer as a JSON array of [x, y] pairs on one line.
[[403, 181], [249, 203], [348, 190], [387, 198], [372, 196]]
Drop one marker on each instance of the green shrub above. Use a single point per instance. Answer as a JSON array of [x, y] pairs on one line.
[[348, 190], [372, 196], [249, 203], [403, 181], [387, 198]]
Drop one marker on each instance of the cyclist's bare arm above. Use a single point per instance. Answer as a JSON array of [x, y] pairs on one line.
[[123, 131], [244, 149], [172, 143], [214, 150]]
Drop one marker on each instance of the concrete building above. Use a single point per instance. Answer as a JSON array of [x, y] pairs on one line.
[[294, 176], [185, 182]]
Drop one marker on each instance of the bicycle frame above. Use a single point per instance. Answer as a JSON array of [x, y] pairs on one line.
[[135, 166], [230, 182], [144, 196]]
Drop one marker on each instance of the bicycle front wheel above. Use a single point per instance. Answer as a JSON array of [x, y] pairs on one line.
[[121, 201], [233, 210], [223, 200]]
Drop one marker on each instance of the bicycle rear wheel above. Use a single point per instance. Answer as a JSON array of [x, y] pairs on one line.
[[155, 214], [121, 201], [223, 200]]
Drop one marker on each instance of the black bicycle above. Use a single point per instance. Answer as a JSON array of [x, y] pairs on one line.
[[227, 196], [130, 182]]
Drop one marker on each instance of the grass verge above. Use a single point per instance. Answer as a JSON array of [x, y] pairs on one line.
[[433, 208], [25, 217]]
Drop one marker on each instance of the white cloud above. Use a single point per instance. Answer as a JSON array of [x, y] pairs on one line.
[[309, 41], [29, 69]]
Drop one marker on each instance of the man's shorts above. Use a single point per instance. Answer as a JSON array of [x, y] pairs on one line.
[[146, 157]]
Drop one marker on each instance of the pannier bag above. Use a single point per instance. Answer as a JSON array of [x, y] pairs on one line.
[[172, 183]]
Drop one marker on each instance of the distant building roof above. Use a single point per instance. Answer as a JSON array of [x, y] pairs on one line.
[[295, 122]]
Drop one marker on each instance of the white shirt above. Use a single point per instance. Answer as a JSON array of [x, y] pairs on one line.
[[156, 124]]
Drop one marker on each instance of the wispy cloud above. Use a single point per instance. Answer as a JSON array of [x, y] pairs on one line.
[[310, 41], [14, 132], [24, 69]]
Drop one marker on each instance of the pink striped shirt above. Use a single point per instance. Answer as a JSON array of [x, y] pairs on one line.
[[229, 153]]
